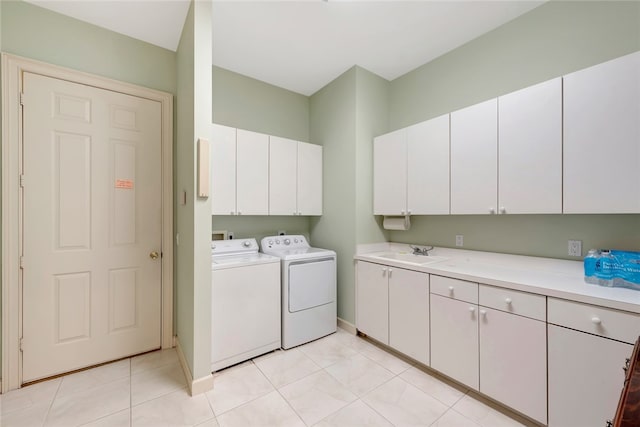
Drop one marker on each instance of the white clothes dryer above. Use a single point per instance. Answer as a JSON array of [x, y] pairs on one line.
[[309, 309], [245, 302]]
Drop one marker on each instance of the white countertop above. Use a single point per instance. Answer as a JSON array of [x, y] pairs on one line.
[[544, 276]]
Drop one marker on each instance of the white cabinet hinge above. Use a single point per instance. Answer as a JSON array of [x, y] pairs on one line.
[[21, 98], [21, 262], [21, 344], [21, 181]]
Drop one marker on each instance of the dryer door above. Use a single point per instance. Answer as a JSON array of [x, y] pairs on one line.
[[311, 283]]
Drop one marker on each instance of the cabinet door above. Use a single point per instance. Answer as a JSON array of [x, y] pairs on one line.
[[513, 361], [390, 173], [602, 138], [309, 179], [372, 301], [454, 339], [585, 377], [252, 173], [283, 154], [530, 155], [409, 313], [223, 170], [428, 167], [474, 159]]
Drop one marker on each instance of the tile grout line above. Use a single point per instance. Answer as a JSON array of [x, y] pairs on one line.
[[130, 394], [44, 422]]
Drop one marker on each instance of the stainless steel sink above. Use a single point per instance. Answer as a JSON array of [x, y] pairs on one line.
[[410, 258]]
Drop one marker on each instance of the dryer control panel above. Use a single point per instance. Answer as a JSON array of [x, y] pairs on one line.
[[293, 241]]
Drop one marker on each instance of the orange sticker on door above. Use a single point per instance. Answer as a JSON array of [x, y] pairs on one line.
[[127, 184]]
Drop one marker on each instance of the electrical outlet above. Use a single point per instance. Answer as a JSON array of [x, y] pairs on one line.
[[575, 248], [459, 240], [282, 232], [230, 235]]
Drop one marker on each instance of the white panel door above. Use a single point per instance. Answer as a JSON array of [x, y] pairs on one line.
[[309, 179], [474, 159], [585, 377], [92, 217], [283, 161], [602, 138], [409, 313], [530, 150], [252, 173], [513, 361], [428, 167], [372, 301], [223, 170], [390, 173], [454, 339]]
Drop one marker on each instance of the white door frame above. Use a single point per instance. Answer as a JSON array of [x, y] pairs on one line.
[[12, 69]]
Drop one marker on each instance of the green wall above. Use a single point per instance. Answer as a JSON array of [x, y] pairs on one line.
[[333, 125], [246, 103], [41, 34], [554, 39], [193, 253]]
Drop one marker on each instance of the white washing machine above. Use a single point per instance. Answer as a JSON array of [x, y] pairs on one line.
[[245, 302], [309, 308]]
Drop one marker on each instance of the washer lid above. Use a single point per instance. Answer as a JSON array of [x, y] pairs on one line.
[[300, 253], [232, 261]]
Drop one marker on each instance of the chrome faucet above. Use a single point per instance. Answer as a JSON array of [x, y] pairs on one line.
[[417, 250]]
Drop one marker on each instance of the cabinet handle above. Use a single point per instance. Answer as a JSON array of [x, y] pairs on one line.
[[232, 213], [503, 210], [483, 312], [596, 320], [450, 289], [472, 309], [402, 212], [390, 271], [508, 301], [239, 213], [409, 212], [492, 210]]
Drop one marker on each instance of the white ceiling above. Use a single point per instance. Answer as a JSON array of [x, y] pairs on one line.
[[303, 45]]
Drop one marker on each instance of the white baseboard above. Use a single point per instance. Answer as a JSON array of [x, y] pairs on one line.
[[349, 327], [199, 385]]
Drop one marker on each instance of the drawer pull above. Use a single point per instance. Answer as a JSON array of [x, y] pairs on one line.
[[508, 301], [451, 289], [596, 320], [483, 312], [472, 309]]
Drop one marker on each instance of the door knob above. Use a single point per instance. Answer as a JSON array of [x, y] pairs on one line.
[[154, 255]]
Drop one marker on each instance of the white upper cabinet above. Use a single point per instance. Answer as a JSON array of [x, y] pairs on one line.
[[295, 177], [390, 173], [309, 179], [252, 173], [428, 167], [411, 170], [530, 150], [223, 170], [283, 160], [602, 138], [474, 160]]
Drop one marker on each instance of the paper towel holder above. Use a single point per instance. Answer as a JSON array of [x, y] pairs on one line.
[[399, 222]]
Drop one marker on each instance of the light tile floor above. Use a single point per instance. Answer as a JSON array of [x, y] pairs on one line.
[[339, 380]]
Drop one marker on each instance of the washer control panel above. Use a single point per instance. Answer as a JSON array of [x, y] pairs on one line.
[[284, 242]]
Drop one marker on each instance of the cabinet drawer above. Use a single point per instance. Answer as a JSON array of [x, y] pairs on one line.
[[605, 322], [516, 302], [454, 288]]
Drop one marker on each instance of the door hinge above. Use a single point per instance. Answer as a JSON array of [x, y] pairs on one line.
[[21, 344], [21, 262], [21, 181], [21, 98]]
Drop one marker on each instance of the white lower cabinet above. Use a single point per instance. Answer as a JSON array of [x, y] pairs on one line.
[[372, 301], [513, 361], [585, 362], [393, 308], [409, 313], [454, 339]]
